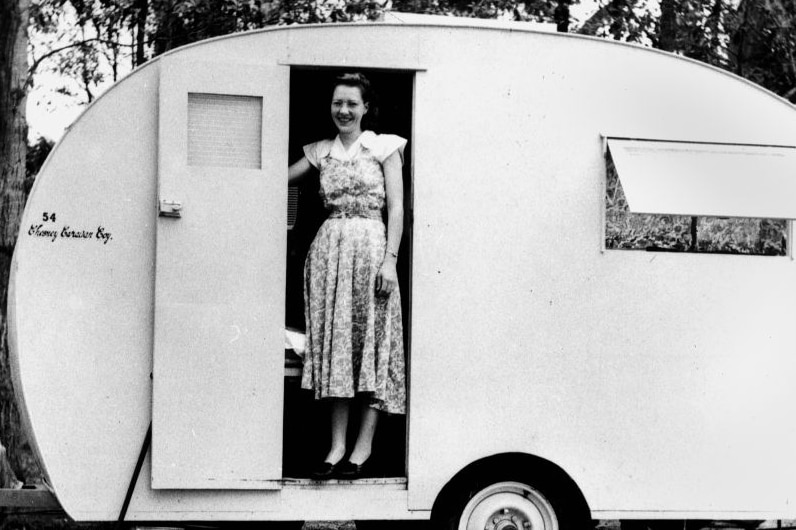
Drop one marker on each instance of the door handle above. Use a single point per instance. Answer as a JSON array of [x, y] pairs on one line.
[[170, 208]]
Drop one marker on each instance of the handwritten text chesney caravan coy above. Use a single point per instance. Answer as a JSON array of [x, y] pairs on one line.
[[49, 230]]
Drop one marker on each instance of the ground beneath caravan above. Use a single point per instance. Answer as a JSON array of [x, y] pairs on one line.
[[58, 521], [601, 525]]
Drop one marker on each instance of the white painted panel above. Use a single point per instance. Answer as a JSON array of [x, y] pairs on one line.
[[658, 382], [80, 328], [297, 500], [704, 179], [219, 302], [368, 46]]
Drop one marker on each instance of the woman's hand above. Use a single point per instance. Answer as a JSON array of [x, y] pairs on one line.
[[387, 278]]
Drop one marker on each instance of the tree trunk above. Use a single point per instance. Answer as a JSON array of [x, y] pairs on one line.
[[13, 150], [166, 23], [142, 7], [667, 37], [561, 16], [714, 23], [738, 39]]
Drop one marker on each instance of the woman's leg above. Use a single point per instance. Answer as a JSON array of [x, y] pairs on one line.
[[367, 428], [340, 408]]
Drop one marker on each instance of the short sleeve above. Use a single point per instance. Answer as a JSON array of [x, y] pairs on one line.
[[317, 150], [388, 144]]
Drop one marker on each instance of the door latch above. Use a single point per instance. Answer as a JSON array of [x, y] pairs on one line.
[[170, 208]]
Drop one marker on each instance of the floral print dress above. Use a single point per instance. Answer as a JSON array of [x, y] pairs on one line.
[[354, 336]]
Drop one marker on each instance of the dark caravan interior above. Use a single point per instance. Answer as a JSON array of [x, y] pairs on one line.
[[307, 423]]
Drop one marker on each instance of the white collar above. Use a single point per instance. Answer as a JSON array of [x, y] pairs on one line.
[[338, 150]]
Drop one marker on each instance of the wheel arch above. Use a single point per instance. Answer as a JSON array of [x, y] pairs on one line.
[[537, 471]]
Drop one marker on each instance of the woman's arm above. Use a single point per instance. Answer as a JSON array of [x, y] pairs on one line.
[[387, 279], [298, 171]]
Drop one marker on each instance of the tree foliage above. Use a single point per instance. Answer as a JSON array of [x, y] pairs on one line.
[[87, 43], [90, 43], [763, 43], [752, 38]]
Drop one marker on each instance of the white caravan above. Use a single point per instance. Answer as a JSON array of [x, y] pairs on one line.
[[552, 378]]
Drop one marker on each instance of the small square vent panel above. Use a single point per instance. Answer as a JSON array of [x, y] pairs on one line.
[[225, 131]]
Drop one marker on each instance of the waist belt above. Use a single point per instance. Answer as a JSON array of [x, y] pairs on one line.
[[356, 214]]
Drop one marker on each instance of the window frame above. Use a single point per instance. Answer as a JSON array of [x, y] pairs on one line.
[[606, 138]]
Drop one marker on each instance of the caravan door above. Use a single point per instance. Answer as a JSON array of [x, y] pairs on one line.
[[219, 282]]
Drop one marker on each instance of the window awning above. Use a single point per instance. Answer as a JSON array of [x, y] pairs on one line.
[[722, 180]]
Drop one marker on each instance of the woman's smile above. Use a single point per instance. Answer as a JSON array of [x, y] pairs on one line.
[[348, 109]]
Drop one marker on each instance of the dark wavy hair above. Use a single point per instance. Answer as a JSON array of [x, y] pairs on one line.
[[358, 80]]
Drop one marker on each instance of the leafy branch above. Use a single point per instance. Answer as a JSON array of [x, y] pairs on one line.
[[82, 43]]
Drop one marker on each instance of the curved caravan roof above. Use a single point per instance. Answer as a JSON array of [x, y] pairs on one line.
[[506, 122]]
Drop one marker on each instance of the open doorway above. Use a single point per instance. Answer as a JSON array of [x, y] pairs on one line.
[[306, 422]]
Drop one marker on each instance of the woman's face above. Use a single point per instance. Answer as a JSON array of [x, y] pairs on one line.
[[348, 109]]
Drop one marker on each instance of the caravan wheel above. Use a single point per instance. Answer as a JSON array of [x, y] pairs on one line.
[[510, 492], [508, 506]]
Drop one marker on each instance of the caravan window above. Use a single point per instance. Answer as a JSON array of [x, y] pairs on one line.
[[692, 197]]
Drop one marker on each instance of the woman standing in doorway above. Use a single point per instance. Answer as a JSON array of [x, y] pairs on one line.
[[354, 349]]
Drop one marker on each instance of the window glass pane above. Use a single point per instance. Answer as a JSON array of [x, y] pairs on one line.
[[225, 131], [627, 230], [741, 236]]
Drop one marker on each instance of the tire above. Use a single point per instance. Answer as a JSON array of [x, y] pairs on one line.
[[512, 500]]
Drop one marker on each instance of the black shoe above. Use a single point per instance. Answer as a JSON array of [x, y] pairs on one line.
[[351, 471], [324, 471]]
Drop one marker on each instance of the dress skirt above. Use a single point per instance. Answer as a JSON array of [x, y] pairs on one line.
[[354, 336]]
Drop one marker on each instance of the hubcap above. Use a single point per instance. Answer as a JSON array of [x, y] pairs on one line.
[[508, 506]]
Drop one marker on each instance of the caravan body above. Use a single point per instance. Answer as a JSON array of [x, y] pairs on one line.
[[149, 283]]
